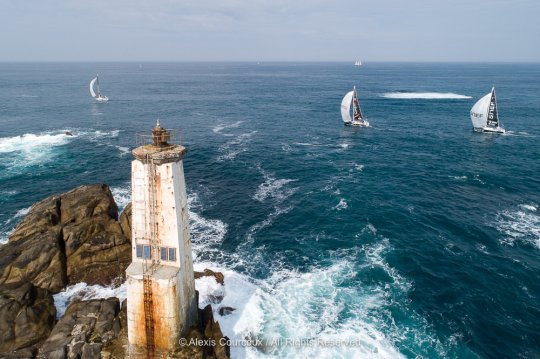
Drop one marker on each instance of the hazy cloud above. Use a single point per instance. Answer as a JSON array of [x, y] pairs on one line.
[[316, 30]]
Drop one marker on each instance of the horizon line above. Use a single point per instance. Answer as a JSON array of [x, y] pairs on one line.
[[274, 61]]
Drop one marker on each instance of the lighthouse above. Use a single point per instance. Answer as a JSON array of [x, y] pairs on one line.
[[162, 302]]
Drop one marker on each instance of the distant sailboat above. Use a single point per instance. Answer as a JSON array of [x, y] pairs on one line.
[[484, 114], [358, 63], [98, 97], [351, 100]]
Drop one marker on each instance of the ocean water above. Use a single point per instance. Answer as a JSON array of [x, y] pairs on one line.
[[415, 238]]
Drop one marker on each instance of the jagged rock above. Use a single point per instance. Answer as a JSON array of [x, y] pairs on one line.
[[83, 330], [213, 332], [226, 310], [27, 316], [220, 278], [69, 238], [125, 221], [39, 259], [117, 347]]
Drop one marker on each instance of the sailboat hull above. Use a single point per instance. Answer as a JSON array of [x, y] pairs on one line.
[[101, 99], [490, 129], [357, 123]]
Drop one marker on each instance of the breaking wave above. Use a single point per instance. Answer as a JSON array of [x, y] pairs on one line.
[[122, 196], [322, 306], [519, 225], [424, 95], [83, 291]]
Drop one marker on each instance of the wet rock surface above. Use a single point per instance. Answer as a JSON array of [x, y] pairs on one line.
[[84, 329], [27, 316], [68, 238]]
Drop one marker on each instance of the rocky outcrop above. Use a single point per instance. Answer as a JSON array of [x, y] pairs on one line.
[[69, 238], [220, 278], [84, 330], [204, 340], [125, 221], [27, 316]]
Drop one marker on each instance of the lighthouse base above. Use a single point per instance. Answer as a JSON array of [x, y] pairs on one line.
[[157, 316]]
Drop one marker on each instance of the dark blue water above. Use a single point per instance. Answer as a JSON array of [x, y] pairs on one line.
[[415, 237]]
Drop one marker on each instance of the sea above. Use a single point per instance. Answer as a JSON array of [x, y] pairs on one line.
[[413, 238]]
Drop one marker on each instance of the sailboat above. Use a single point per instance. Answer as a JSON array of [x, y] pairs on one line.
[[98, 97], [357, 119], [484, 114], [358, 63]]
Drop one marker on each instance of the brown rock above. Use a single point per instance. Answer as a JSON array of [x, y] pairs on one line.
[[223, 311], [212, 331], [39, 259], [27, 317], [67, 239], [40, 218], [125, 221], [220, 278], [83, 330]]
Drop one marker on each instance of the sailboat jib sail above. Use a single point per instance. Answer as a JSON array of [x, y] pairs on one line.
[[350, 100], [97, 96], [346, 107], [484, 114]]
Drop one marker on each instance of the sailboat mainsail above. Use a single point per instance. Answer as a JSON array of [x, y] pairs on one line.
[[357, 118], [98, 97], [493, 116], [357, 112], [92, 87], [484, 114]]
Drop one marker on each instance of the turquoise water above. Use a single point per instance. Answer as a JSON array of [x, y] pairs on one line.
[[415, 237]]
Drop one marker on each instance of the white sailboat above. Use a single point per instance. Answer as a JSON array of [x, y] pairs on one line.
[[98, 97], [357, 118], [358, 63], [484, 114]]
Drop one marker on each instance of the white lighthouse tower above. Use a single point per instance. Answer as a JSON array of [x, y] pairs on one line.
[[162, 302]]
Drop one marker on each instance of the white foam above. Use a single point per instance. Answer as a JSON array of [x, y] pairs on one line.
[[344, 145], [528, 207], [519, 225], [222, 126], [122, 196], [278, 211], [312, 305], [478, 179], [424, 95], [32, 147], [273, 188], [234, 147], [123, 150], [458, 178], [83, 291], [341, 205]]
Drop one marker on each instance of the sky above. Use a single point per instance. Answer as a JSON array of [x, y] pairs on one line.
[[269, 30]]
